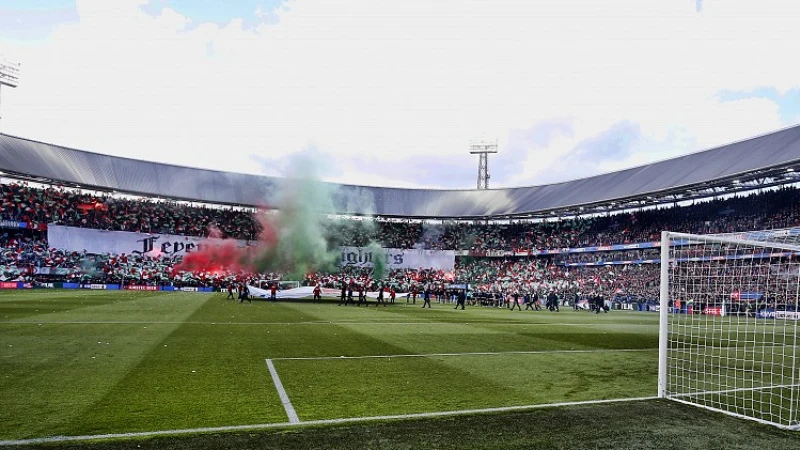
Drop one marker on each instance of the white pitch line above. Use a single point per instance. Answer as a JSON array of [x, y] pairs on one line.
[[728, 391], [266, 426], [287, 404], [433, 355]]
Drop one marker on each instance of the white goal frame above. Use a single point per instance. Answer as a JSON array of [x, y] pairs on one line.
[[289, 284], [748, 367]]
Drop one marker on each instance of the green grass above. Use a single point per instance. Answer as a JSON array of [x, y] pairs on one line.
[[91, 362], [656, 425]]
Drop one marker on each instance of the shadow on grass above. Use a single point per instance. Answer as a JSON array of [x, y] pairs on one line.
[[654, 424]]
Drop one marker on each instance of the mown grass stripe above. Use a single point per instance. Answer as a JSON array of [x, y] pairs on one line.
[[54, 439], [329, 323]]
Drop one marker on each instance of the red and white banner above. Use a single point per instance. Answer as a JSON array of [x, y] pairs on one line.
[[118, 242], [159, 245]]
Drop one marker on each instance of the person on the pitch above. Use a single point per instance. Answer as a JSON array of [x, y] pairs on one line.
[[528, 299], [600, 304], [426, 296], [245, 294], [349, 294], [552, 301], [392, 295], [362, 295], [343, 296], [515, 301], [230, 292], [380, 297], [462, 299], [317, 292], [537, 302], [273, 291]]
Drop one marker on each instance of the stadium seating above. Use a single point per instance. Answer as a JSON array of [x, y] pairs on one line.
[[24, 253]]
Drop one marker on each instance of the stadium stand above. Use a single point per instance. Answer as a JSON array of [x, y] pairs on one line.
[[621, 274], [518, 250], [37, 207]]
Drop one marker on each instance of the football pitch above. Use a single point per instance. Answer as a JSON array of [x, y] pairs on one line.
[[141, 364]]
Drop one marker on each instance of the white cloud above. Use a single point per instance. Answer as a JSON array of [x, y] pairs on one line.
[[401, 81]]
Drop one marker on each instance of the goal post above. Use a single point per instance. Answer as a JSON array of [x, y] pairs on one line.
[[728, 324], [284, 285]]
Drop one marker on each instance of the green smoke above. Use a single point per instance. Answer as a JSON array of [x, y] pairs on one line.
[[89, 268], [303, 203], [303, 235], [378, 261]]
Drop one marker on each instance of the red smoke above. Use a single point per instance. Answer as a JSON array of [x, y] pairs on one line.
[[215, 257], [221, 256]]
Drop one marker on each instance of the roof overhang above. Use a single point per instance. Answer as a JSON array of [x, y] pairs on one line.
[[769, 160]]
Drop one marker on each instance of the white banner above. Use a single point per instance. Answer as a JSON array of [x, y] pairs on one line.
[[100, 241], [787, 315], [158, 245], [400, 259], [308, 291]]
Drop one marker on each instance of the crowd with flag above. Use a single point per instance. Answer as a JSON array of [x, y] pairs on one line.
[[26, 210]]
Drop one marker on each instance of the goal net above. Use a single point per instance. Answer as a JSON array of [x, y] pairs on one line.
[[729, 323], [284, 285]]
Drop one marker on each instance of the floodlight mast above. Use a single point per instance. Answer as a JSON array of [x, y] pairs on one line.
[[9, 76], [482, 149]]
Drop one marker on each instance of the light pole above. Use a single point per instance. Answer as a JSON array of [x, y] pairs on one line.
[[482, 149]]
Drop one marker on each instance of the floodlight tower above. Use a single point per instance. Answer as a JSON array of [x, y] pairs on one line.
[[9, 76], [482, 149]]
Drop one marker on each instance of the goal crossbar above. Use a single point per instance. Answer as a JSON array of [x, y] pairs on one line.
[[723, 239]]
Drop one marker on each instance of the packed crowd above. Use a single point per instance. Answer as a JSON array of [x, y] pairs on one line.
[[24, 258], [35, 206], [27, 255], [39, 206], [526, 275], [606, 257]]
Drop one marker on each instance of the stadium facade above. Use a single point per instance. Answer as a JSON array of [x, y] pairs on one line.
[[762, 161]]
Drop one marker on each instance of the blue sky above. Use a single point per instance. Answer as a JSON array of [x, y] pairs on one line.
[[21, 20], [788, 102], [35, 20], [392, 92], [221, 12]]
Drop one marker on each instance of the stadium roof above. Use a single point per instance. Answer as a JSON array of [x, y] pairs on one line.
[[761, 161]]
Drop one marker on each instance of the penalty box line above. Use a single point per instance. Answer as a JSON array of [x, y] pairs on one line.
[[266, 426], [291, 413], [433, 355], [287, 404]]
